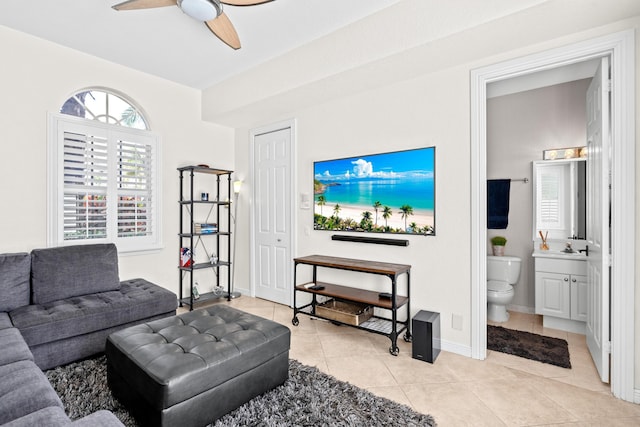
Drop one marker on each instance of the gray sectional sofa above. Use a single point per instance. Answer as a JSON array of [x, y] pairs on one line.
[[58, 305], [26, 397]]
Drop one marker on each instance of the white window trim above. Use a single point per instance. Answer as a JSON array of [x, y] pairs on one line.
[[55, 186]]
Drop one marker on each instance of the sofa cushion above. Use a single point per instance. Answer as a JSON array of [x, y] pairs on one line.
[[70, 271], [14, 348], [134, 300], [24, 389], [52, 416], [5, 321], [14, 280], [101, 418]]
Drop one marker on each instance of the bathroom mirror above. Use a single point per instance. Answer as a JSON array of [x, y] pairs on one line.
[[559, 199]]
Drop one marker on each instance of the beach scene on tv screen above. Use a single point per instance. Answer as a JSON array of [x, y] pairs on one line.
[[380, 193]]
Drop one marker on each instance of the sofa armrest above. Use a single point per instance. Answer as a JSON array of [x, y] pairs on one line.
[[5, 321], [14, 347]]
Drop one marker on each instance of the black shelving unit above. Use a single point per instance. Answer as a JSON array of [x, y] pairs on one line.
[[192, 210]]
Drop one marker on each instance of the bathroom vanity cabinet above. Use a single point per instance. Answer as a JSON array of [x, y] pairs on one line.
[[561, 291]]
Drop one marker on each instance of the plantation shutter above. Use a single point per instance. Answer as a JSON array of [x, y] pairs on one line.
[[551, 198], [135, 185], [85, 176], [103, 185]]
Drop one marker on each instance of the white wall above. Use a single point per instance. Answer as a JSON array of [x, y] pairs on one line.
[[396, 117], [417, 95], [519, 127], [385, 112], [36, 78]]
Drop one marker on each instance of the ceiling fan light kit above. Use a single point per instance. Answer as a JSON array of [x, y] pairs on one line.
[[207, 11], [201, 10]]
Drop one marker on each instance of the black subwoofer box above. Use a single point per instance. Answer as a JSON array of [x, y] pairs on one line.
[[425, 327]]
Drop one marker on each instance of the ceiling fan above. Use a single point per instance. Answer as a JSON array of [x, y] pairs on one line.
[[208, 11]]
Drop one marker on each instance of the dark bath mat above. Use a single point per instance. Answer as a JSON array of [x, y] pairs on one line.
[[554, 351]]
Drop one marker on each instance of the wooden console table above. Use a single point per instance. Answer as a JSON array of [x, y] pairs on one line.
[[379, 325]]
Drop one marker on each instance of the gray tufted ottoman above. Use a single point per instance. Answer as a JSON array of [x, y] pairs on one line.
[[190, 369]]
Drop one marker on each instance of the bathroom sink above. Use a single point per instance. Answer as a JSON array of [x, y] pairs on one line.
[[551, 253]]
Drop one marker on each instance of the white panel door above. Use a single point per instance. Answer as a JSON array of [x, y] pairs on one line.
[[598, 202], [272, 225]]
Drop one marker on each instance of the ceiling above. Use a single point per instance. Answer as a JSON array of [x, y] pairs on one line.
[[576, 71], [167, 43]]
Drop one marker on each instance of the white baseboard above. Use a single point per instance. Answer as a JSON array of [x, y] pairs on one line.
[[636, 395], [456, 348], [242, 291], [568, 325], [521, 309]]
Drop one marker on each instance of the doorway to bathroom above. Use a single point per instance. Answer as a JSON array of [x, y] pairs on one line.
[[618, 47]]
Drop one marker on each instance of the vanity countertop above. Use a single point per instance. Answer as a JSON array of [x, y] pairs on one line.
[[577, 256]]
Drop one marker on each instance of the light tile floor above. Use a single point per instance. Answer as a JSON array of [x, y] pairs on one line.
[[502, 390]]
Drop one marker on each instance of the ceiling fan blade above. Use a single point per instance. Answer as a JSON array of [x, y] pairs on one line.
[[244, 2], [224, 30], [144, 4]]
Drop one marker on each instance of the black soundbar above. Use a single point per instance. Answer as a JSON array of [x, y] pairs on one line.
[[376, 240]]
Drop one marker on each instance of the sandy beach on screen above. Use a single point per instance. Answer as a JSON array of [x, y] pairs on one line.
[[421, 218]]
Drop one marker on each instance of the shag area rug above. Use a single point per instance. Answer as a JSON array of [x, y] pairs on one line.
[[554, 351], [308, 398]]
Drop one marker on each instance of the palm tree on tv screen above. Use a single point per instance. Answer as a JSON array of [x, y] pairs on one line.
[[366, 220], [321, 202], [405, 211], [386, 214], [377, 206]]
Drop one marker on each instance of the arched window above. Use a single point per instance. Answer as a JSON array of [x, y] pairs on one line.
[[104, 175], [106, 107]]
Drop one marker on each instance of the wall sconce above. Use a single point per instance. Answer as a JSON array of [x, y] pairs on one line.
[[237, 186]]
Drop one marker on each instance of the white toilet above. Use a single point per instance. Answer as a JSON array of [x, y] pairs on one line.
[[502, 273]]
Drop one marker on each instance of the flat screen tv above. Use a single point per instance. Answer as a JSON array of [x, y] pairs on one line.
[[377, 193]]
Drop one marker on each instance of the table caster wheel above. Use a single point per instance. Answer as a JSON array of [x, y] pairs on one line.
[[394, 351], [295, 321], [407, 338]]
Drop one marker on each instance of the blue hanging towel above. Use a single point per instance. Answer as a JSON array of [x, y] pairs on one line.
[[498, 203]]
